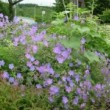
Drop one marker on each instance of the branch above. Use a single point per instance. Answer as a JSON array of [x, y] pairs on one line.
[[10, 1], [14, 3]]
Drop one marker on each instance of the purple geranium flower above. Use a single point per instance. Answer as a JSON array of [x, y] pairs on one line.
[[85, 97], [79, 92], [60, 59], [38, 86], [83, 105], [98, 87], [68, 78], [32, 59], [15, 83], [28, 56], [71, 73], [36, 62], [71, 65], [5, 75], [1, 15], [46, 43], [54, 90], [76, 18], [2, 63], [32, 68], [15, 43], [83, 41], [77, 78], [65, 54], [64, 78], [87, 72], [11, 79], [79, 62], [56, 75], [75, 101], [1, 24], [29, 64], [46, 69], [68, 89], [57, 50], [71, 84], [16, 20], [34, 49], [64, 100], [49, 81], [19, 76], [11, 66]]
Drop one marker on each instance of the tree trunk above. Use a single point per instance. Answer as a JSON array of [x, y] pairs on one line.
[[81, 3], [11, 8], [11, 11]]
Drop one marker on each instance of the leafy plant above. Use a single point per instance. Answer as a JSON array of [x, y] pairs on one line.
[[61, 67]]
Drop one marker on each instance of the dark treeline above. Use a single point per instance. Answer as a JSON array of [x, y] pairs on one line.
[[100, 5], [32, 5], [27, 5]]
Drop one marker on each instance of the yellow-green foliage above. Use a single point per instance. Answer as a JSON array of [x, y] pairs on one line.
[[21, 98]]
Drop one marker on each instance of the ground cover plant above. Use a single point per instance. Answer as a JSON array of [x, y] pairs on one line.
[[70, 71]]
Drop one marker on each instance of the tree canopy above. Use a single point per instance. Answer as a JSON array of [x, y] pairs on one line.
[[100, 5], [3, 8]]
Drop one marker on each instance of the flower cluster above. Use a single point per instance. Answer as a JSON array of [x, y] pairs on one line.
[[71, 86], [12, 80], [61, 53]]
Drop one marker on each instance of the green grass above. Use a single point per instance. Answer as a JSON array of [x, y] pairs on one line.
[[35, 12]]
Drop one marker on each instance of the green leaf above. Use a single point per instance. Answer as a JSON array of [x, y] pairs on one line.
[[72, 43], [94, 34], [57, 22], [91, 56], [84, 30], [107, 41]]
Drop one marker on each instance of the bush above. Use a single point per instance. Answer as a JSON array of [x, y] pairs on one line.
[[66, 67], [105, 17]]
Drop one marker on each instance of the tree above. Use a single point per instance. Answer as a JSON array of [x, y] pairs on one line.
[[12, 3], [100, 5], [60, 6], [3, 8]]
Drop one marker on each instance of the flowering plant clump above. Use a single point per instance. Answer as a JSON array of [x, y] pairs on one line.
[[52, 64]]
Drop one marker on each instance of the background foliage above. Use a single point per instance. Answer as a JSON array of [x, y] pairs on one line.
[[3, 8]]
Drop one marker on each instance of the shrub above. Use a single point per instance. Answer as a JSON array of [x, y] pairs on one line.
[[105, 17]]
